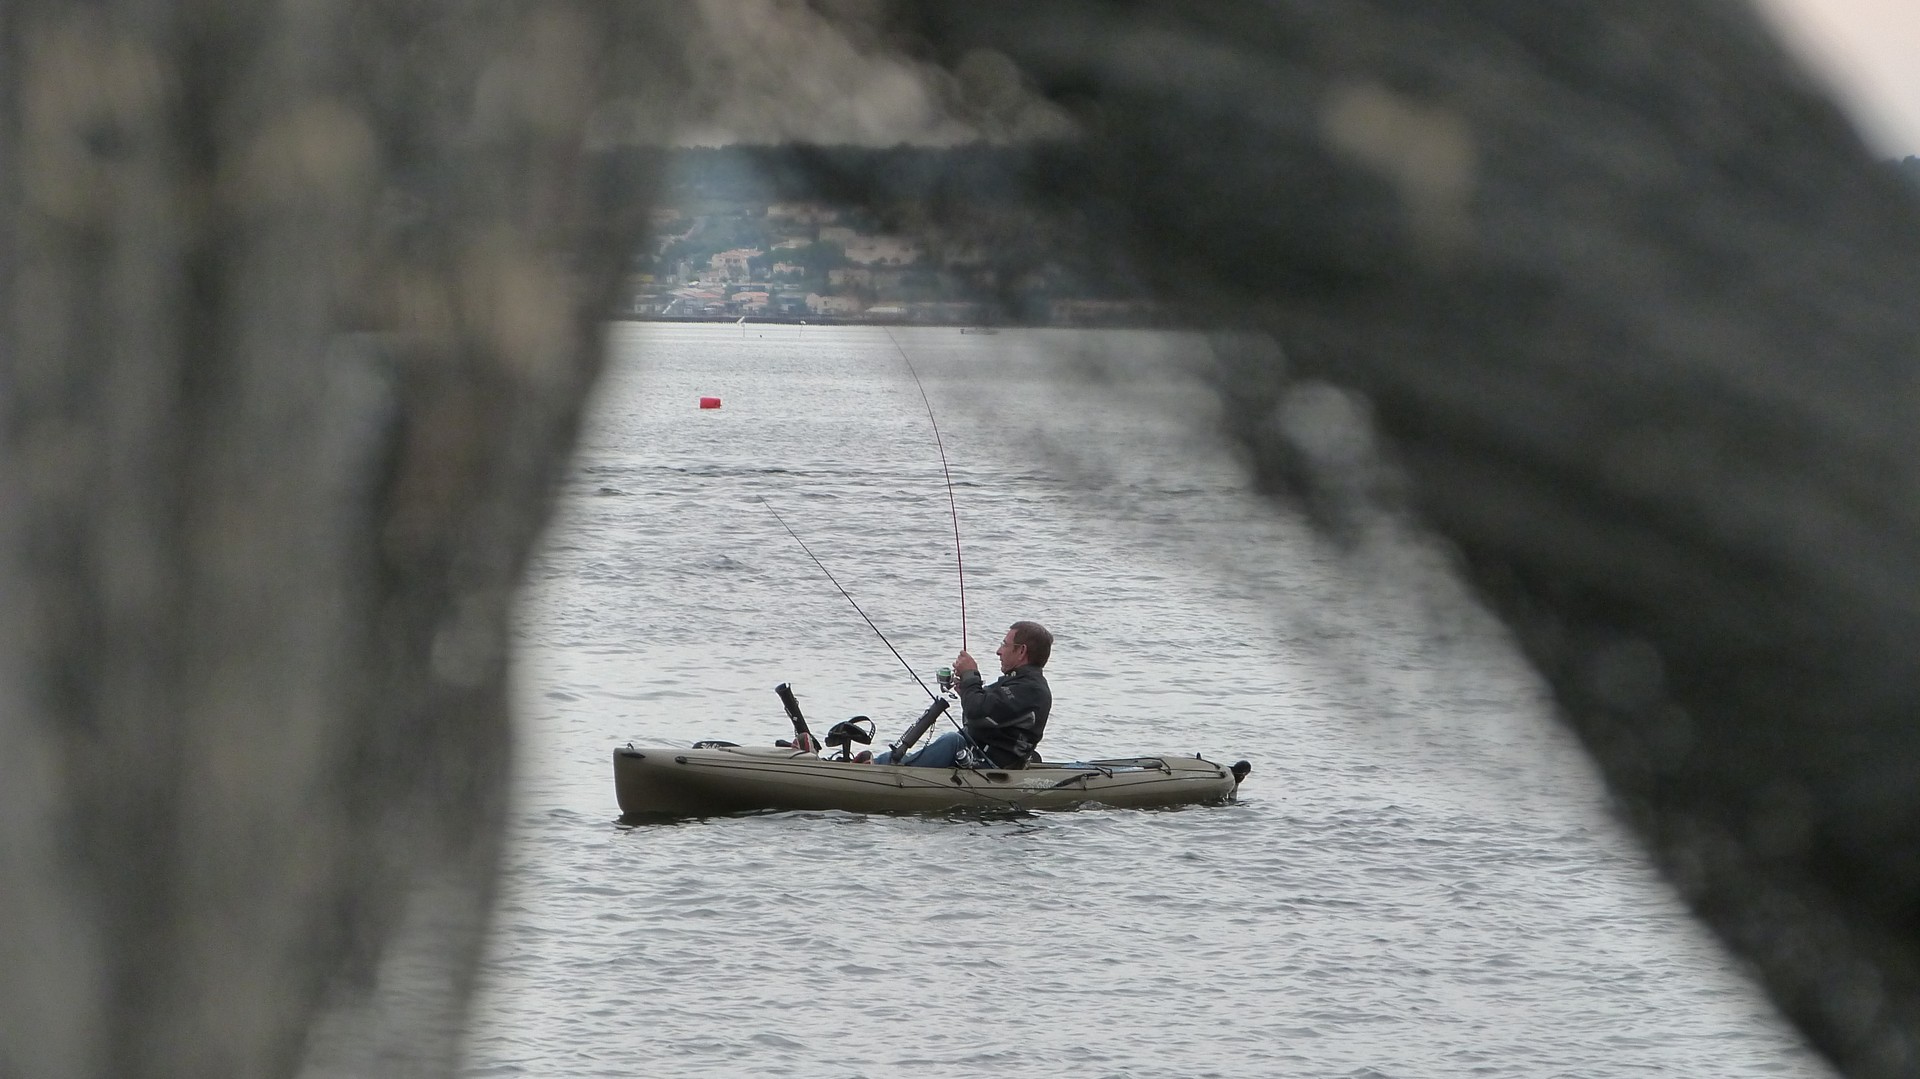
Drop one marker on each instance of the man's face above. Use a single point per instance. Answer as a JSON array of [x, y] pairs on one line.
[[1011, 655]]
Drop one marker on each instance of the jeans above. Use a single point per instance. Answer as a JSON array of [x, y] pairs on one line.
[[939, 753]]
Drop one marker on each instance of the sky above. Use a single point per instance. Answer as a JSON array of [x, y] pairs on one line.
[[1869, 52]]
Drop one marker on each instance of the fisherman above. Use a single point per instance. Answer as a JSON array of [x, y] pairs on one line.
[[1003, 721]]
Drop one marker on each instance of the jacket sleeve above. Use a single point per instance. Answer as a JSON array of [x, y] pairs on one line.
[[986, 707]]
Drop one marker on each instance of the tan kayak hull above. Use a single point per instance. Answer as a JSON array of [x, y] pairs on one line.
[[655, 781]]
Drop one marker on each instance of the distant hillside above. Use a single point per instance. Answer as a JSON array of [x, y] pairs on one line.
[[848, 233]]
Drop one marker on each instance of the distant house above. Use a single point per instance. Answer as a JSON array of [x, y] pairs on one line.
[[695, 300], [832, 305], [789, 269], [747, 303], [885, 312], [883, 250], [850, 277], [732, 265], [643, 293]]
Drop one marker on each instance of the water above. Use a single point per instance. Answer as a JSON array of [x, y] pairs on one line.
[[1421, 878]]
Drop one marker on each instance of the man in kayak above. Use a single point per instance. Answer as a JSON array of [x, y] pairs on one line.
[[1003, 721]]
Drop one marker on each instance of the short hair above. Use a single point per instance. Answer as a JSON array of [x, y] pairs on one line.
[[1038, 642]]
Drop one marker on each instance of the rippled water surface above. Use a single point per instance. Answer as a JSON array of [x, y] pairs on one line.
[[1420, 879]]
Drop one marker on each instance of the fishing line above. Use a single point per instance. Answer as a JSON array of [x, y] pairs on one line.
[[952, 507], [850, 599]]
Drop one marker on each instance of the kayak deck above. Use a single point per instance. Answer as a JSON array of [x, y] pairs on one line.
[[661, 781]]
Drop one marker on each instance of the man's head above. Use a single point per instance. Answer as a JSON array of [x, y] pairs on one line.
[[1026, 644]]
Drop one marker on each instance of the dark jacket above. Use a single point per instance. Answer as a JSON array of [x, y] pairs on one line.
[[1006, 719]]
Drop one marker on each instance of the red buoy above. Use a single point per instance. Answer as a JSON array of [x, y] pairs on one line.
[[709, 402]]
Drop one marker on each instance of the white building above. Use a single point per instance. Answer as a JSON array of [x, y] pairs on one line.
[[832, 305], [732, 265]]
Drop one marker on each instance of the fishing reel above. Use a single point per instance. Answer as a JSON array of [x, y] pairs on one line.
[[944, 676]]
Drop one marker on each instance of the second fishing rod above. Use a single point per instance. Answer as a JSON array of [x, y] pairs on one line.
[[939, 702], [803, 737]]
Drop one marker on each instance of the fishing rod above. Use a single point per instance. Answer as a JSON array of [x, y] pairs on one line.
[[856, 605], [919, 726], [952, 507]]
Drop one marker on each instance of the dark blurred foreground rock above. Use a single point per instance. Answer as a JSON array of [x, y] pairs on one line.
[[299, 317], [1636, 313], [300, 306]]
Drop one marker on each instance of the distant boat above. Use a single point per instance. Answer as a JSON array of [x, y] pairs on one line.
[[978, 329]]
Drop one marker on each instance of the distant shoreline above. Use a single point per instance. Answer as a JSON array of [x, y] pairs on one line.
[[828, 320], [783, 320]]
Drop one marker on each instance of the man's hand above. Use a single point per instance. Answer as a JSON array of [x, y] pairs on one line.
[[964, 663]]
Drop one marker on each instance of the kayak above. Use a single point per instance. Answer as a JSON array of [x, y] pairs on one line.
[[665, 781]]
